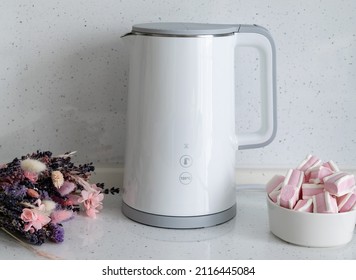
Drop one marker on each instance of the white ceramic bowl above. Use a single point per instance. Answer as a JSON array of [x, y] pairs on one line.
[[311, 229]]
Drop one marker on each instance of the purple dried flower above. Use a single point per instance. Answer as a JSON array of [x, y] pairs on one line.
[[36, 238], [56, 232], [16, 191], [10, 205]]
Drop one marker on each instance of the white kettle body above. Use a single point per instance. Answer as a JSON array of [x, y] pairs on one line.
[[181, 139]]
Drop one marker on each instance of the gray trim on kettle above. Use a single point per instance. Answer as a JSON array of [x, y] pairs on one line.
[[178, 35], [178, 222]]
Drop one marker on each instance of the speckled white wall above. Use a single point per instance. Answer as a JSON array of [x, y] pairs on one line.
[[63, 75]]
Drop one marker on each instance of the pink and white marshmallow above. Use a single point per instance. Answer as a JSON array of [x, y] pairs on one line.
[[317, 174], [288, 196], [274, 186], [304, 205], [291, 188], [294, 178], [274, 183], [309, 163], [346, 202], [339, 183], [308, 190], [324, 203], [274, 195], [331, 165]]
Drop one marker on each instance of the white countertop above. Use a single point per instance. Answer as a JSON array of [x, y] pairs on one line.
[[113, 236]]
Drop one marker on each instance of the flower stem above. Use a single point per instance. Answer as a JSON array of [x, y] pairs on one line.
[[30, 248]]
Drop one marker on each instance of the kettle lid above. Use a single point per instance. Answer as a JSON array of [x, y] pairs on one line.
[[183, 29]]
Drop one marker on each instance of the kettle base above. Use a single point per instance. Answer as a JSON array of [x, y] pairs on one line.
[[179, 222]]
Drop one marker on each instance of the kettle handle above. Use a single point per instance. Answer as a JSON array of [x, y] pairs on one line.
[[259, 38]]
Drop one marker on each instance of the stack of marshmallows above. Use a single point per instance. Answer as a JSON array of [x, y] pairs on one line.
[[314, 186]]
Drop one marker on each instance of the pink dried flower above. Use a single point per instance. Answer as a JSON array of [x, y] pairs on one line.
[[92, 200], [61, 216], [32, 176], [34, 218], [72, 199]]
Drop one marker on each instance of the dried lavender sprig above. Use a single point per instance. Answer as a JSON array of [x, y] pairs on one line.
[[8, 203], [11, 172], [112, 190], [15, 226], [55, 232]]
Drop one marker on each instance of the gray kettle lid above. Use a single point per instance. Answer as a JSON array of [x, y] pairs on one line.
[[184, 29]]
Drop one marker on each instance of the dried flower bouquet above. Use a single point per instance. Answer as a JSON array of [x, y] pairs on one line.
[[38, 192]]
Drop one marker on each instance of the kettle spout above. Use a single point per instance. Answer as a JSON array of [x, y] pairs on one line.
[[127, 34]]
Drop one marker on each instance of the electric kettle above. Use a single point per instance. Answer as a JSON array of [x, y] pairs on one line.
[[181, 139]]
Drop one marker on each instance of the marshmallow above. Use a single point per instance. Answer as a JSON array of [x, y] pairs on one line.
[[339, 183], [290, 191], [304, 205], [308, 190], [274, 186], [294, 177], [274, 183], [309, 163], [317, 174], [331, 165], [346, 202], [288, 196], [274, 194], [324, 203]]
